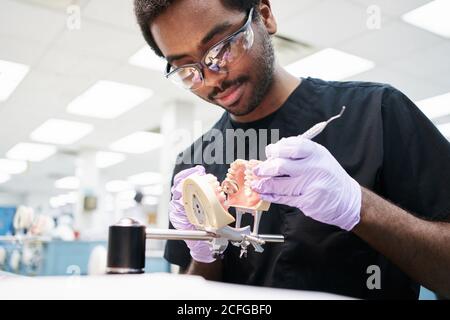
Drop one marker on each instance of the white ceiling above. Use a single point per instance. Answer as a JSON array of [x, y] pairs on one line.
[[64, 63]]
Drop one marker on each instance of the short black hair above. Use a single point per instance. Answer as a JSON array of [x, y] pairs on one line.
[[148, 10]]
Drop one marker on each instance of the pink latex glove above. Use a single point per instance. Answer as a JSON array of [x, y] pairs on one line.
[[303, 174], [201, 251]]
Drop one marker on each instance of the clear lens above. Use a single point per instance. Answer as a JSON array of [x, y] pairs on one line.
[[223, 55], [218, 59], [187, 77]]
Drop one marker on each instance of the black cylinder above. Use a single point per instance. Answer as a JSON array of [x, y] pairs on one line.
[[126, 247]]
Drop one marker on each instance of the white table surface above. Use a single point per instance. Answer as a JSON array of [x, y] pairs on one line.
[[153, 286]]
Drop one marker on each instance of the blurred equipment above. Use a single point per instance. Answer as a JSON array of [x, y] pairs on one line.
[[138, 197], [2, 258], [6, 220], [14, 261], [97, 261], [42, 225], [23, 219], [90, 203]]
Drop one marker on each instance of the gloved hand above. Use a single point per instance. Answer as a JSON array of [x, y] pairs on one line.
[[201, 251], [303, 174]]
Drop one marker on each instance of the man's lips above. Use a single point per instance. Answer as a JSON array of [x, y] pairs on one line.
[[230, 96]]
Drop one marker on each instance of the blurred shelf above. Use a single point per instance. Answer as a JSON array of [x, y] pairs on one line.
[[58, 258]]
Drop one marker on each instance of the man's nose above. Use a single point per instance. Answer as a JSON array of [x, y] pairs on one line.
[[214, 79]]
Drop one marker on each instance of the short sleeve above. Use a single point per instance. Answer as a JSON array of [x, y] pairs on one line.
[[416, 159]]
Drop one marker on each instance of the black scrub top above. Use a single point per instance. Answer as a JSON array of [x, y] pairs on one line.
[[384, 142]]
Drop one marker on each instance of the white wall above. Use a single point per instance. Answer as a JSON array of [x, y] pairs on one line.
[[7, 199], [41, 201]]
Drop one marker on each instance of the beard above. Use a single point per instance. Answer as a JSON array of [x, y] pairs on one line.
[[264, 66], [264, 70]]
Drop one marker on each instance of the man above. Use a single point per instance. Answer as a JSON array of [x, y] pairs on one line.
[[336, 230]]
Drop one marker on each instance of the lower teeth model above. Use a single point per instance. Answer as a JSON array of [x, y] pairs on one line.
[[237, 186]]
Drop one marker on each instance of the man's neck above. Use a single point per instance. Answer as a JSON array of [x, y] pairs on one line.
[[283, 84]]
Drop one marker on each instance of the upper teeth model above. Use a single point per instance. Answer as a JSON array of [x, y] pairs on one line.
[[237, 186]]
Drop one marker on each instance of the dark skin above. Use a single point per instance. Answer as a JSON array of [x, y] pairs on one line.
[[171, 37], [420, 248]]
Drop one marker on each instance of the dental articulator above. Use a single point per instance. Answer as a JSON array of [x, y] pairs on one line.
[[206, 202]]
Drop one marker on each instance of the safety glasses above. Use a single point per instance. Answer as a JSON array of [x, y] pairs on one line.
[[219, 58]]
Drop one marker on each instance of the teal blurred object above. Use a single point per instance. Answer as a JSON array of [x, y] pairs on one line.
[[156, 264], [62, 258], [6, 220], [426, 294], [67, 257]]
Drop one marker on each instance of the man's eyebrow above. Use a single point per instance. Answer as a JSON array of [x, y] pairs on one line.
[[218, 29], [172, 58]]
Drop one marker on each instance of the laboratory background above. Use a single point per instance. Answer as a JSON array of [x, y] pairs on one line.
[[90, 128]]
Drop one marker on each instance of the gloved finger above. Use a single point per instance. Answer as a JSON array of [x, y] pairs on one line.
[[276, 198], [291, 148], [180, 221], [180, 176], [275, 167], [201, 251], [176, 206], [274, 185], [176, 191]]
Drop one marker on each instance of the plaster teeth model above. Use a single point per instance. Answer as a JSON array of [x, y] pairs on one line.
[[237, 186], [214, 183], [204, 202]]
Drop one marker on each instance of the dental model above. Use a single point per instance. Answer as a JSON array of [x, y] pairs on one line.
[[207, 202], [207, 207], [237, 187]]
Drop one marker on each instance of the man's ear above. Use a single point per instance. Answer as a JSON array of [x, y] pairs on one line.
[[265, 10]]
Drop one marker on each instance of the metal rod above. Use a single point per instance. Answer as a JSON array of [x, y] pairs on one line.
[[270, 237], [171, 234], [256, 220], [239, 214]]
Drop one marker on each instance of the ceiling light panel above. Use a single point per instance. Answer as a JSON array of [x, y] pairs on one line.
[[33, 152], [107, 159], [9, 166], [138, 142], [330, 64], [61, 132], [11, 74], [435, 107], [433, 17], [146, 58]]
